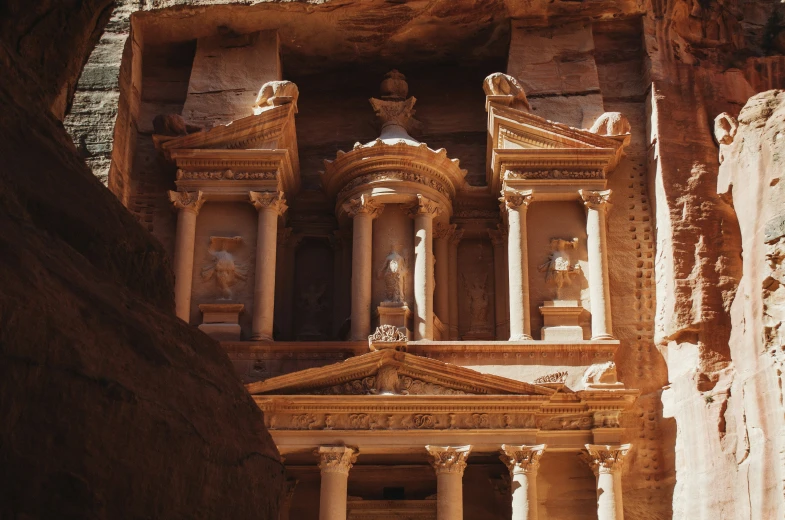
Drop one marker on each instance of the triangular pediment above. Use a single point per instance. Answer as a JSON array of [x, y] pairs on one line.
[[532, 147], [389, 372]]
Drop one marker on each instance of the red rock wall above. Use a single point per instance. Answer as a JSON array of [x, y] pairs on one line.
[[110, 406]]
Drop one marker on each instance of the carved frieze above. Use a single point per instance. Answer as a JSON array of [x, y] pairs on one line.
[[370, 420], [392, 175], [553, 174], [225, 175]]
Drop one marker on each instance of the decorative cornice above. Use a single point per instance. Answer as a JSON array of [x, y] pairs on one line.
[[595, 199], [393, 175], [336, 459], [522, 459], [363, 205], [606, 458], [226, 175], [268, 200], [187, 200], [515, 199], [448, 459]]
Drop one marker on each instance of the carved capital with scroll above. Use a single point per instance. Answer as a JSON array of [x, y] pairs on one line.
[[522, 459], [603, 458], [595, 199], [268, 200], [444, 230], [336, 459], [363, 205], [187, 200], [448, 459], [425, 206], [517, 199]]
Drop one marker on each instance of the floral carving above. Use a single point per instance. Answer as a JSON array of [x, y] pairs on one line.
[[522, 459], [363, 205], [554, 174], [555, 377], [595, 199], [221, 175], [336, 459], [448, 459], [187, 200], [606, 458], [268, 200], [514, 199]]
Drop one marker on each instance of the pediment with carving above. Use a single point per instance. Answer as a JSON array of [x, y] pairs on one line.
[[389, 372]]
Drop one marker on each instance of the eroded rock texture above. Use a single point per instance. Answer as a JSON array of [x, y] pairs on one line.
[[110, 406]]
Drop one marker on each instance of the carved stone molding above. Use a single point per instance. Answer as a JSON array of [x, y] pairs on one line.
[[363, 204], [387, 336], [226, 175], [514, 199], [448, 459], [268, 200], [336, 459], [187, 200], [364, 180], [595, 199], [425, 206], [553, 174], [522, 459], [555, 377], [606, 458]]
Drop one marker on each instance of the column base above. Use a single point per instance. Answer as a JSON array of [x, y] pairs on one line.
[[261, 337], [602, 337], [521, 337]]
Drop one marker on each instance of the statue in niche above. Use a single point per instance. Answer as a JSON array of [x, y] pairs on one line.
[[224, 269], [312, 305], [558, 269], [393, 272], [478, 301]]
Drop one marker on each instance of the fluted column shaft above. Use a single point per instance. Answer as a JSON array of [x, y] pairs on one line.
[[499, 240], [596, 203], [188, 205], [517, 203], [606, 462], [269, 205], [523, 463], [334, 463], [442, 290], [453, 280], [423, 213], [362, 210], [449, 464]]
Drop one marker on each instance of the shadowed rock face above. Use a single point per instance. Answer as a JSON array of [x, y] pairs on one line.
[[110, 406]]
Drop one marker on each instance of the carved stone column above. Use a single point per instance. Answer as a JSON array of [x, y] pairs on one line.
[[442, 290], [499, 240], [334, 463], [449, 462], [188, 205], [362, 210], [523, 462], [423, 213], [517, 203], [453, 279], [606, 462], [269, 205], [286, 498], [596, 203]]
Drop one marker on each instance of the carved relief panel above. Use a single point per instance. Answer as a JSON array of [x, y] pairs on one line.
[[476, 290], [224, 258]]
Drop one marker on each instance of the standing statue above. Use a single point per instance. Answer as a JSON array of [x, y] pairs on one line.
[[224, 269], [558, 268], [393, 272], [312, 306], [478, 302]]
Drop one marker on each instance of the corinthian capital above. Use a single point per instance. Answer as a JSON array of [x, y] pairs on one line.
[[268, 200], [187, 200], [448, 459], [603, 458], [363, 205], [444, 230], [595, 199], [336, 459], [425, 206], [522, 459], [514, 199], [498, 236]]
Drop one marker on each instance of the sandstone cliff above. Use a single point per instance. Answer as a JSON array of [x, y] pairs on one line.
[[110, 407]]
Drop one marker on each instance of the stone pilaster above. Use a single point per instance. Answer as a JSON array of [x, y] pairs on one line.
[[517, 203], [523, 463], [441, 305], [334, 464], [188, 205], [449, 463], [606, 462], [269, 206], [286, 499], [423, 213], [362, 210], [596, 203], [501, 298], [455, 239]]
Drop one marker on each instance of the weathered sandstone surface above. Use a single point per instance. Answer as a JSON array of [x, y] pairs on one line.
[[110, 407]]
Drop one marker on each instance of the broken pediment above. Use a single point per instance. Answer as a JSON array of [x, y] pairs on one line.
[[389, 372], [528, 150]]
